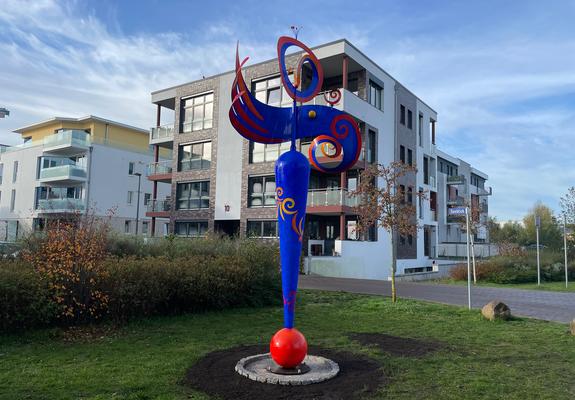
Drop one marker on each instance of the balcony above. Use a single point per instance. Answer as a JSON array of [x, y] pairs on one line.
[[67, 143], [456, 180], [327, 201], [67, 205], [159, 208], [63, 174], [160, 171], [163, 134]]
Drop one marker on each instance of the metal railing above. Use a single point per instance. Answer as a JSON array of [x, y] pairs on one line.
[[63, 171], [159, 168], [162, 132], [67, 138], [159, 205], [331, 197], [60, 205]]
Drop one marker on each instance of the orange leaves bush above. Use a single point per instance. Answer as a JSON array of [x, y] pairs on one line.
[[69, 259]]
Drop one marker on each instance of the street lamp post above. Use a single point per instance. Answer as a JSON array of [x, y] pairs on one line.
[[565, 250], [139, 175], [537, 225]]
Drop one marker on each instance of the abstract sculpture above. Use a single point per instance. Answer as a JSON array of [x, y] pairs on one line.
[[338, 142]]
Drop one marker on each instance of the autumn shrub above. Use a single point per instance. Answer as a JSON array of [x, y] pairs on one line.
[[25, 301], [68, 257]]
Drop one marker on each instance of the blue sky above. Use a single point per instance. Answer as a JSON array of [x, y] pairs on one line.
[[501, 74]]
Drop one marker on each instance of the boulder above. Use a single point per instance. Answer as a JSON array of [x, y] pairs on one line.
[[496, 310], [572, 327]]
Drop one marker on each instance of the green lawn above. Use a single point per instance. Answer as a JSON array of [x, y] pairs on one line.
[[519, 359], [549, 286]]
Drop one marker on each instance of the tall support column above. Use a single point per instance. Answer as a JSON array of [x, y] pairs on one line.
[[156, 159], [343, 186], [344, 73]]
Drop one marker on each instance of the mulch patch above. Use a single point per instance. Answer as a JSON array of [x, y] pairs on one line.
[[214, 375], [397, 346]]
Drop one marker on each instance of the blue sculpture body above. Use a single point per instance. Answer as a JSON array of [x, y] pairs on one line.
[[337, 140]]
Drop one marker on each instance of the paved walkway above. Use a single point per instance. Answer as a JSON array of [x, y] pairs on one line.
[[550, 306]]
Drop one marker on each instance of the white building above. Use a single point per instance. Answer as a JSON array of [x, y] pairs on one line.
[[69, 165]]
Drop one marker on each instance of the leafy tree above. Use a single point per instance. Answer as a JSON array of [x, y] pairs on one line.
[[385, 205], [550, 233]]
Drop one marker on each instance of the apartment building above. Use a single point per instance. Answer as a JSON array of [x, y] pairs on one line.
[[71, 165], [219, 181]]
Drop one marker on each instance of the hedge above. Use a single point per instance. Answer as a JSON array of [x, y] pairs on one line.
[[248, 275]]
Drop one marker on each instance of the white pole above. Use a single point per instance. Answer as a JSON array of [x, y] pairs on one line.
[[538, 260], [565, 249], [468, 263]]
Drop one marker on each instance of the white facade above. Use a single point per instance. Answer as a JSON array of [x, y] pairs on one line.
[[98, 180]]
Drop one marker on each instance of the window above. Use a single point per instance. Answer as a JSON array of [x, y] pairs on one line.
[[409, 119], [402, 114], [15, 172], [147, 198], [410, 195], [131, 167], [197, 113], [193, 195], [432, 130], [260, 152], [144, 227], [262, 229], [371, 147], [402, 154], [13, 200], [410, 239], [409, 157], [402, 240], [402, 193], [420, 200], [272, 92], [127, 226], [130, 197], [261, 191], [1, 172], [44, 194], [420, 129], [195, 156], [191, 228], [426, 170], [375, 95]]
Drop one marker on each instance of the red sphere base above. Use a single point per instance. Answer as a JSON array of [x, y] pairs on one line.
[[288, 347]]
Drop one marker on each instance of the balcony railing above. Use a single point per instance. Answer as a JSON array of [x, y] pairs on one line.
[[162, 132], [159, 205], [70, 138], [74, 172], [61, 205], [456, 201], [331, 197], [456, 180], [159, 168]]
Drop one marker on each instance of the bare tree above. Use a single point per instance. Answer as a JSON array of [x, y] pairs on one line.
[[568, 205], [384, 204]]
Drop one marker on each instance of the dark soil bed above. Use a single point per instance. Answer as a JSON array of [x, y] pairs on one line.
[[397, 346], [215, 375]]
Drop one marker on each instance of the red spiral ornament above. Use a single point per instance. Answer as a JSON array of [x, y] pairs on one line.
[[332, 97]]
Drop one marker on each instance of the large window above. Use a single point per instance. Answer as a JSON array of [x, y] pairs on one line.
[[409, 119], [191, 228], [13, 200], [402, 154], [15, 172], [375, 95], [198, 113], [260, 152], [261, 191], [420, 129], [402, 114], [195, 156], [409, 157], [57, 193], [272, 92], [193, 195], [262, 229]]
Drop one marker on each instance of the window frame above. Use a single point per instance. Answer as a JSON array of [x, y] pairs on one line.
[[198, 223], [375, 95], [200, 199], [261, 223], [205, 100], [205, 159]]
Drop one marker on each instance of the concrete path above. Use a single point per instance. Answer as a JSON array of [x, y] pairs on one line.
[[549, 306]]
